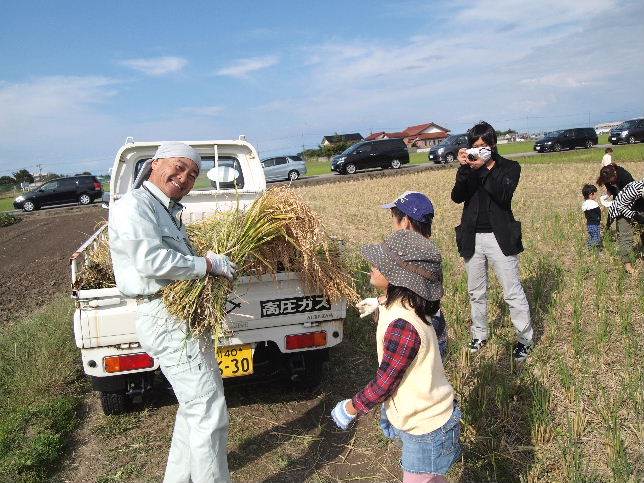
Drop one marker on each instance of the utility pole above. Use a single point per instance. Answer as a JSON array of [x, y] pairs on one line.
[[39, 171]]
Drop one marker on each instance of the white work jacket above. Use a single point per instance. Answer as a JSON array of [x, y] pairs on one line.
[[148, 244]]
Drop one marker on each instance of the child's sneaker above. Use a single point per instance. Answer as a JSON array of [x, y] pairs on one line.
[[521, 351], [476, 345]]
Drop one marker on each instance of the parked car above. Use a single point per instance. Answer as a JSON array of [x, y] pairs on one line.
[[447, 150], [74, 189], [284, 167], [628, 132], [383, 153], [584, 137]]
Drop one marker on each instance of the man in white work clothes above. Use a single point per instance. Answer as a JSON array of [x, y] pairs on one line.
[[150, 249]]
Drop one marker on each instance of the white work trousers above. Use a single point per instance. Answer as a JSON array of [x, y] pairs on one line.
[[198, 449], [487, 251]]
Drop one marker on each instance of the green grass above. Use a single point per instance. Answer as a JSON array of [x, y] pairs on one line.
[[39, 392], [634, 152], [6, 204]]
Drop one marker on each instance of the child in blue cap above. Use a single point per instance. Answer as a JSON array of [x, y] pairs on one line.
[[413, 211]]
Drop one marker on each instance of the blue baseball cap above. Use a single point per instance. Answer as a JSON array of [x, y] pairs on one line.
[[415, 205]]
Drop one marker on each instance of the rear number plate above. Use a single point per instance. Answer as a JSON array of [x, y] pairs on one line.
[[235, 361]]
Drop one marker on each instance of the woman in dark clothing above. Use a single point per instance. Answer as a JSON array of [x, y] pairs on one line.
[[615, 178]]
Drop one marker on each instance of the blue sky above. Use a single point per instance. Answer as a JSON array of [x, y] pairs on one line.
[[79, 77]]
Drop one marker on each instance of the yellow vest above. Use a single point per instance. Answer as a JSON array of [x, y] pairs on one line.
[[424, 400]]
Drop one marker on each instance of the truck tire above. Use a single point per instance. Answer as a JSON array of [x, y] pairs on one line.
[[113, 402], [311, 377]]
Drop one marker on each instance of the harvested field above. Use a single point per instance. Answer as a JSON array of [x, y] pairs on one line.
[[572, 412], [34, 256]]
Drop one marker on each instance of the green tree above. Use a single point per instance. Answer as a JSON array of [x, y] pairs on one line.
[[23, 175], [7, 180]]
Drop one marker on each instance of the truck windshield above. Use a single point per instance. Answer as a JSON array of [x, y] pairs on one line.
[[350, 149]]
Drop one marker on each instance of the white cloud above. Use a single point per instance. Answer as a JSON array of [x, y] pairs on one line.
[[206, 111], [243, 67], [156, 66]]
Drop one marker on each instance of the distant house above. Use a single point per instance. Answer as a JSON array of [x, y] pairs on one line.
[[341, 138], [419, 136]]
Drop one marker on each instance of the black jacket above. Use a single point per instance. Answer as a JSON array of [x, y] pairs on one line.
[[499, 184]]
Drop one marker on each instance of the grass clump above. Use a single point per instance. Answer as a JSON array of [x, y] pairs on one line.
[[39, 393], [7, 219]]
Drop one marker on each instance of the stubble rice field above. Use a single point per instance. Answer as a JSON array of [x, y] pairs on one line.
[[572, 413], [575, 410]]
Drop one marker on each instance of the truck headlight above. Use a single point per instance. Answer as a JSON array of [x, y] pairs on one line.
[[20, 199], [441, 150], [549, 142], [341, 159]]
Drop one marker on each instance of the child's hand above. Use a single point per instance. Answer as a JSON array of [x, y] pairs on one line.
[[367, 306], [387, 429], [341, 416]]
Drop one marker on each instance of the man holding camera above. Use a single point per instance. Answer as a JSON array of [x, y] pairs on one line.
[[489, 234]]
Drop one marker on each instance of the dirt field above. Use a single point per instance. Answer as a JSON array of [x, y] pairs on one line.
[[34, 256]]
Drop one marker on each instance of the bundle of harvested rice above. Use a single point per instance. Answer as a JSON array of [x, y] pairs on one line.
[[278, 232], [97, 271]]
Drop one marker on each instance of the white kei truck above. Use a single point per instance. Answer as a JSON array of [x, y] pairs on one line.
[[276, 327]]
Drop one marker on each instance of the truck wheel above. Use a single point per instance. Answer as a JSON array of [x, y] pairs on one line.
[[631, 140], [395, 163], [589, 144], [84, 199], [311, 377], [113, 402], [449, 158], [557, 147], [29, 206]]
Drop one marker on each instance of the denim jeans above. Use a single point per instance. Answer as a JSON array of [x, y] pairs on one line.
[[433, 452]]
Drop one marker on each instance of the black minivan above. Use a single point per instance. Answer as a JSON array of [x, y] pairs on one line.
[[447, 150], [383, 153], [75, 189], [628, 132], [583, 137]]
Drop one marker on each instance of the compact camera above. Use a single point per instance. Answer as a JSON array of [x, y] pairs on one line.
[[484, 153]]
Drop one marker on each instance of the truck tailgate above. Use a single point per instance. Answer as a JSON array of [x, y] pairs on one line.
[[105, 318]]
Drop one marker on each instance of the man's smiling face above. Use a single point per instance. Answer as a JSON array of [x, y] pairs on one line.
[[174, 176]]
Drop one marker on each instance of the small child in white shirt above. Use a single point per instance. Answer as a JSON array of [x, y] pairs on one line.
[[593, 215], [608, 157]]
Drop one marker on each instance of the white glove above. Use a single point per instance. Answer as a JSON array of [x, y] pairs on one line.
[[367, 306], [341, 417], [221, 265]]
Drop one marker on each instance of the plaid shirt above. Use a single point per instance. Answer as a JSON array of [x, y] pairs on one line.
[[400, 346]]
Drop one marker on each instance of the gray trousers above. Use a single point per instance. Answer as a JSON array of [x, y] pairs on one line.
[[198, 448], [487, 251]]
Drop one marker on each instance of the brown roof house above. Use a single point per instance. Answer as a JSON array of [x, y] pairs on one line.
[[419, 136], [341, 138]]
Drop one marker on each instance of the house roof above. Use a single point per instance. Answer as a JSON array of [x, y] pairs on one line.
[[419, 128], [429, 135], [375, 135], [339, 138]]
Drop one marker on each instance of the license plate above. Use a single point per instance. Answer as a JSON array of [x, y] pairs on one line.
[[235, 360]]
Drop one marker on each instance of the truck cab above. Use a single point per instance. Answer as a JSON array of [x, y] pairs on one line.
[[276, 328]]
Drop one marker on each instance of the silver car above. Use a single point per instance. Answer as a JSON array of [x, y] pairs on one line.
[[284, 167]]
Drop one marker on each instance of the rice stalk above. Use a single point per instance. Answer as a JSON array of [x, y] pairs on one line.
[[278, 232]]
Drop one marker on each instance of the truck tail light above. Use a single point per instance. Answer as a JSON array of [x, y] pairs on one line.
[[128, 362], [98, 186], [303, 341]]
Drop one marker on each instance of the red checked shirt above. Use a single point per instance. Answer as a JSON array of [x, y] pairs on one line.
[[400, 346]]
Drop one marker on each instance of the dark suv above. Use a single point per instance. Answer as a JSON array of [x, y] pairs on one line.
[[583, 137], [384, 153], [447, 150], [628, 132], [75, 189]]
